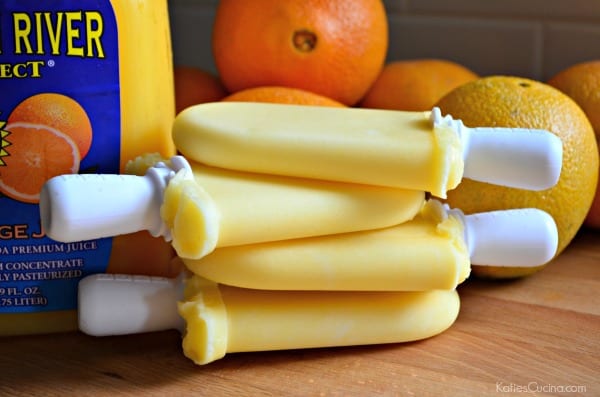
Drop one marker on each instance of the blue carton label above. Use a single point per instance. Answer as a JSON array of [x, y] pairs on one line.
[[59, 114]]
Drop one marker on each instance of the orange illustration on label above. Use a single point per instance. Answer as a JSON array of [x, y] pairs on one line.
[[46, 135]]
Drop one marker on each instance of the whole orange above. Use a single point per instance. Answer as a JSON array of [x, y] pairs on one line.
[[582, 83], [288, 95], [334, 48], [194, 86], [415, 84], [57, 111], [505, 101]]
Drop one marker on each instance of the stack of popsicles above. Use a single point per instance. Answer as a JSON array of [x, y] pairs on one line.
[[307, 227]]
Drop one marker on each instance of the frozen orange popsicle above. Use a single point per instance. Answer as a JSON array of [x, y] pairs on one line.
[[201, 207], [217, 319], [432, 251], [413, 150]]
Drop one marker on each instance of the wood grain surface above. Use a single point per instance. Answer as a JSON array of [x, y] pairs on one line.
[[534, 336]]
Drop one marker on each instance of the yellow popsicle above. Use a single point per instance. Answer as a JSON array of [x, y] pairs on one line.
[[221, 319], [219, 208], [412, 150], [377, 147], [200, 207], [428, 252], [433, 251]]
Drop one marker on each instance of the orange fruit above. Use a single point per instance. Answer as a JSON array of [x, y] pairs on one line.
[[581, 82], [334, 48], [36, 153], [140, 253], [194, 86], [505, 101], [285, 95], [59, 112], [415, 85]]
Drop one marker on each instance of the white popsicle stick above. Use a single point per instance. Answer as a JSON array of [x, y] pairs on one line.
[[526, 237], [110, 304], [84, 207], [515, 157]]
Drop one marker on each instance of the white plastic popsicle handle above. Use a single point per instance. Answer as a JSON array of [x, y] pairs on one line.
[[89, 206], [515, 157], [122, 304], [525, 237]]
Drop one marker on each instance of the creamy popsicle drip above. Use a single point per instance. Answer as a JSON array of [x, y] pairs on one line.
[[217, 319]]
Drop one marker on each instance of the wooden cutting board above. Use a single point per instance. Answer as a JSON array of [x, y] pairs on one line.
[[538, 334]]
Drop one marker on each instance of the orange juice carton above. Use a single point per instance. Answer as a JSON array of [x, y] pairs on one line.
[[86, 86]]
